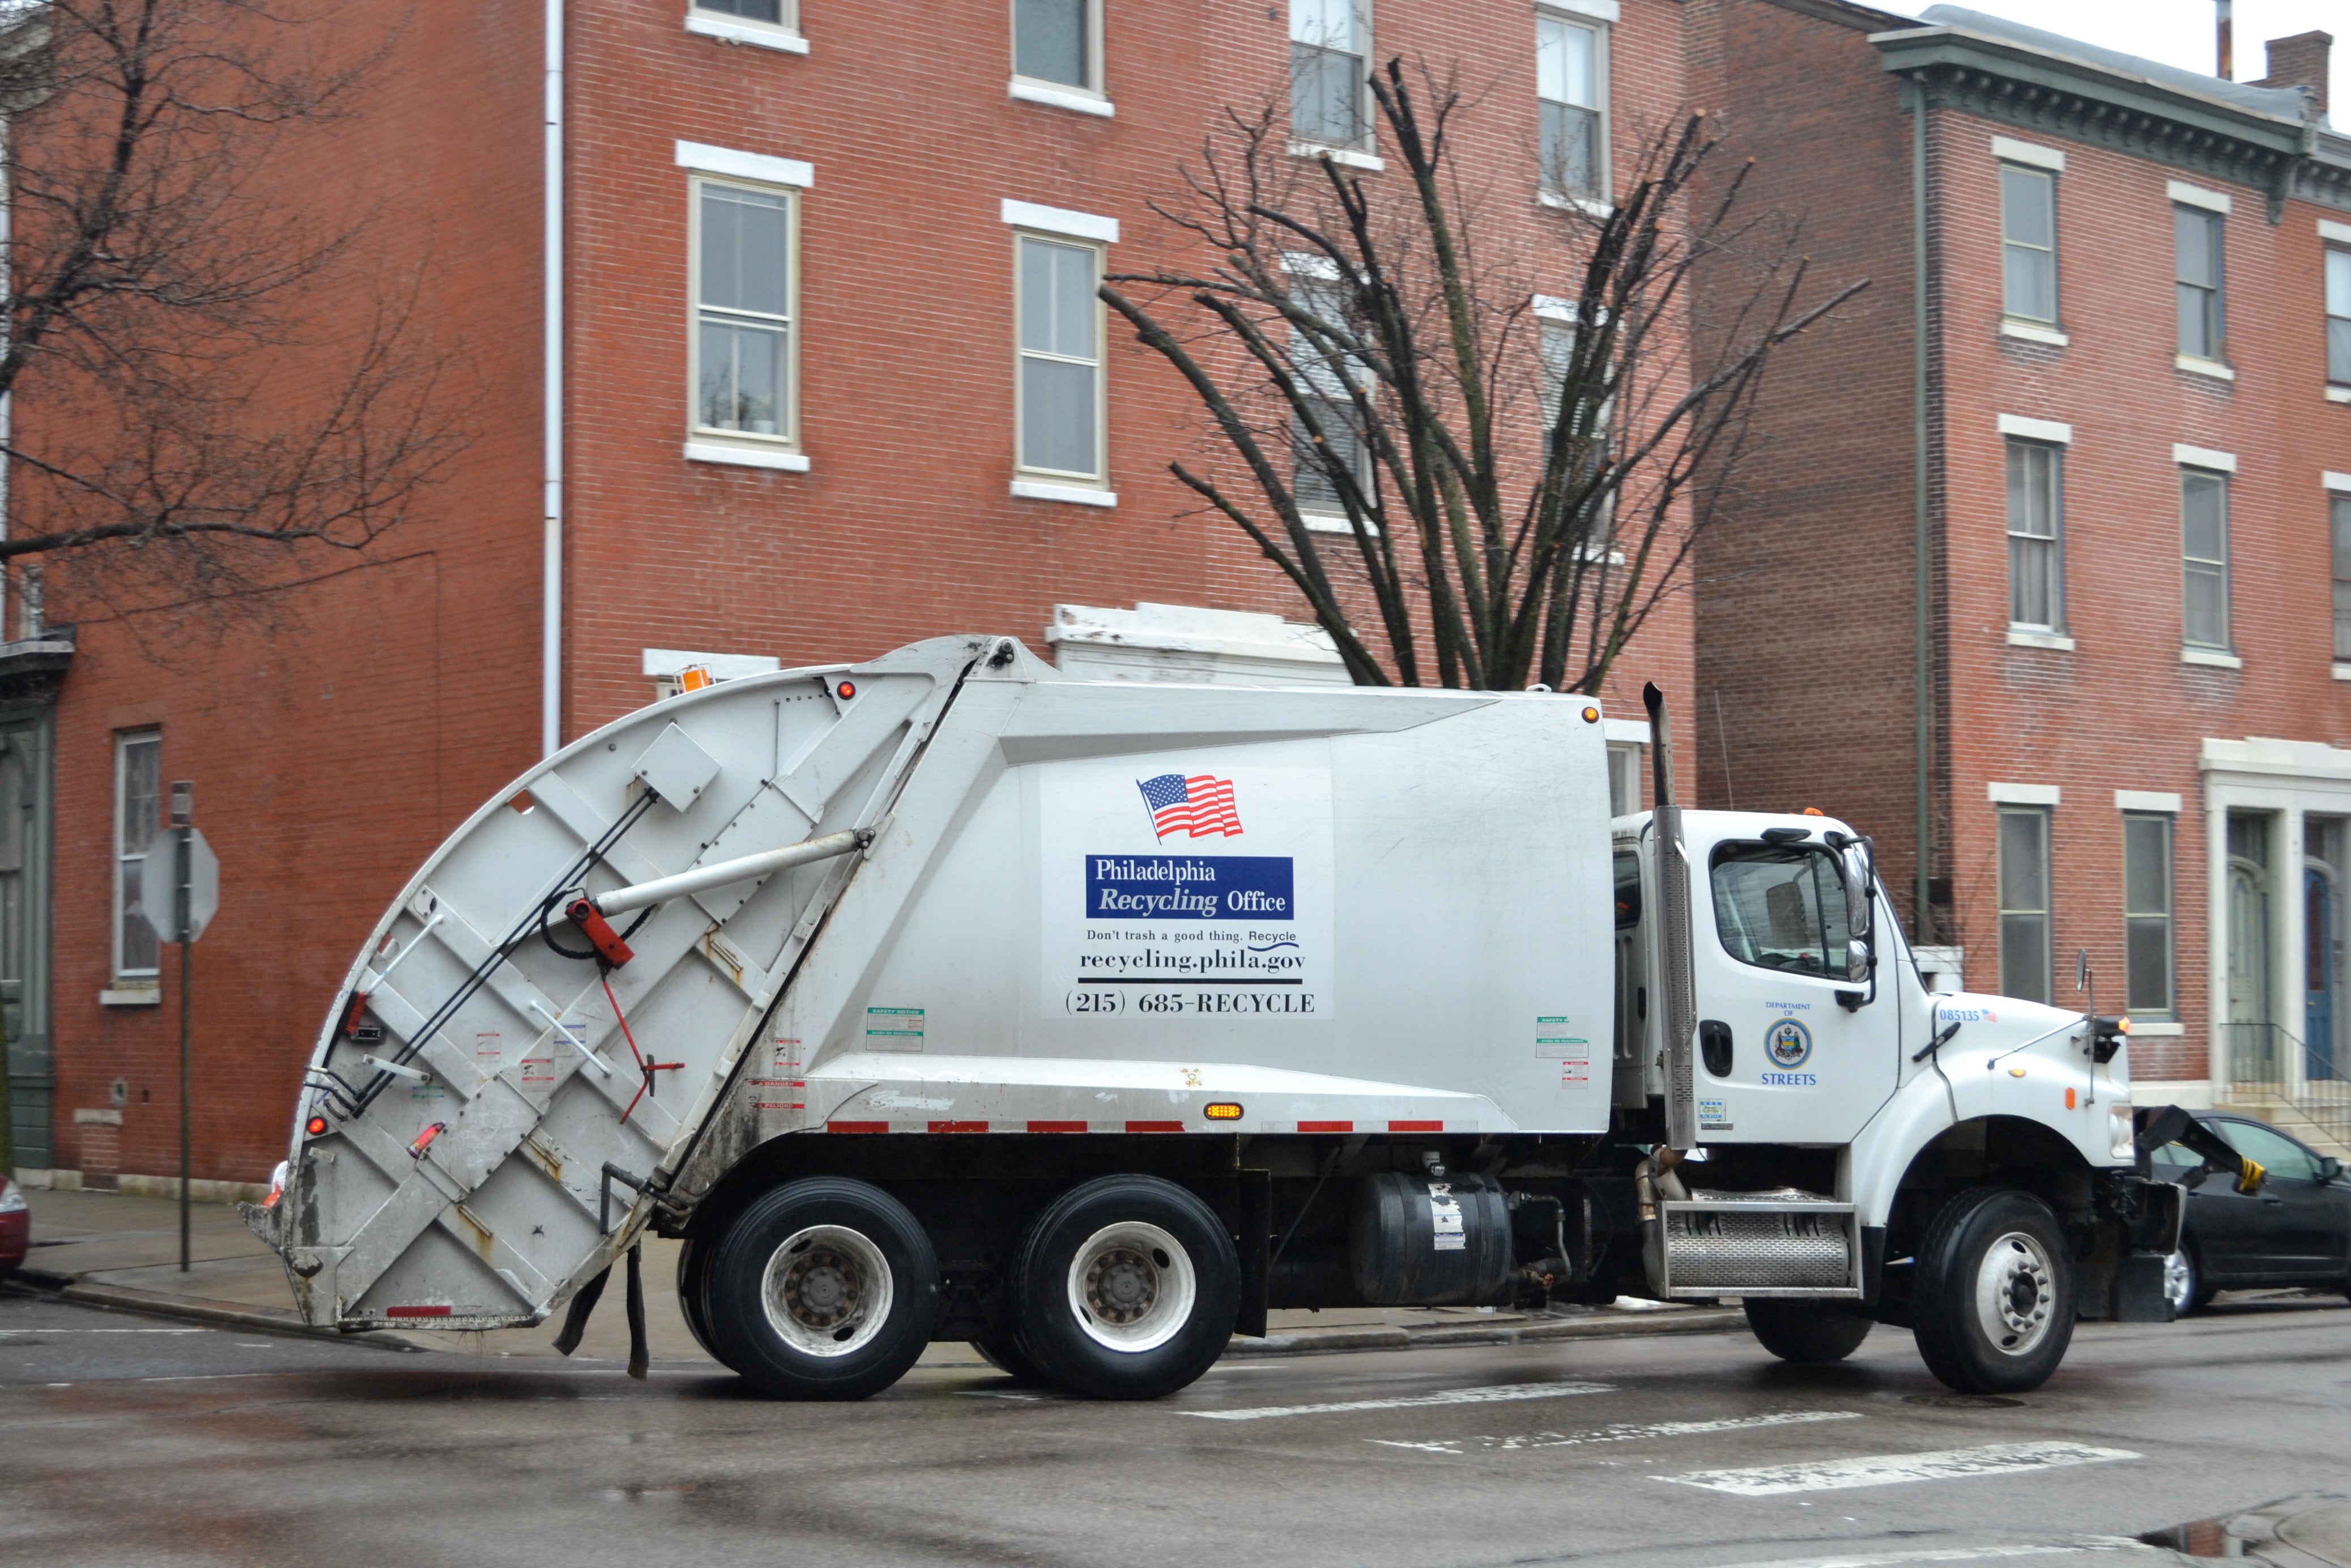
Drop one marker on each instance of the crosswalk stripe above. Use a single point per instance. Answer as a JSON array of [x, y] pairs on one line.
[[1625, 1432], [1498, 1394], [1889, 1469]]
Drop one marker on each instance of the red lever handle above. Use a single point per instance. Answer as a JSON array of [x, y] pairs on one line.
[[601, 934]]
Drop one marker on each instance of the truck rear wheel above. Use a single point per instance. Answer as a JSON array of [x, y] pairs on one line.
[[1994, 1303], [824, 1289], [1809, 1333], [693, 1274], [1004, 1354], [1126, 1288]]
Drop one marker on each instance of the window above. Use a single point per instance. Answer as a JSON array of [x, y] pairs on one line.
[[1327, 48], [1055, 41], [743, 351], [1568, 76], [2204, 550], [2338, 317], [138, 813], [1314, 288], [776, 13], [2195, 245], [1624, 778], [2280, 1155], [1628, 890], [1780, 907], [2147, 914], [2036, 551], [2028, 233], [2025, 903], [2340, 506], [1060, 391]]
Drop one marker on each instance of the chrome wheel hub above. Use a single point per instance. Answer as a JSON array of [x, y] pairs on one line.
[[2015, 1295], [1132, 1286], [827, 1290]]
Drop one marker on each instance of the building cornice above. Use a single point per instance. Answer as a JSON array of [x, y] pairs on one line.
[[2051, 94]]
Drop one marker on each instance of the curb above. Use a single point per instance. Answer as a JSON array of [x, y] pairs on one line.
[[1627, 1326]]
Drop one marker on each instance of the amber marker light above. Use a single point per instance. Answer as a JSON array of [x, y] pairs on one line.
[[1591, 716], [1222, 1111], [316, 1126], [846, 690]]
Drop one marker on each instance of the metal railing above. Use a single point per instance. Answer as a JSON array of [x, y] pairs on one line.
[[2267, 1065]]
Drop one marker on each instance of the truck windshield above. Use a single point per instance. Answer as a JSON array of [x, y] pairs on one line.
[[1780, 907]]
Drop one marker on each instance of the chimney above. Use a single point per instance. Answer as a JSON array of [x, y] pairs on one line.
[[2300, 61]]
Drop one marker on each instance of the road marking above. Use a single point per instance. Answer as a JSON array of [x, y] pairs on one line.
[[1961, 1553], [1499, 1393], [1622, 1433], [1888, 1470], [103, 1331]]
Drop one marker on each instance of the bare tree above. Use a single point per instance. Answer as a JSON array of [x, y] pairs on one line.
[[1511, 482], [214, 386]]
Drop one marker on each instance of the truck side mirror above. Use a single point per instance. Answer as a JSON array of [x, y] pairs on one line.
[[1854, 860]]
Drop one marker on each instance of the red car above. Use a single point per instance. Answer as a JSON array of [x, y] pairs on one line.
[[15, 1225]]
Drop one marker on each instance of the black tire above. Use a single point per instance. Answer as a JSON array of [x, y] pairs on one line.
[[1994, 1304], [693, 1277], [1807, 1333], [1004, 1354], [1125, 1244], [818, 1263]]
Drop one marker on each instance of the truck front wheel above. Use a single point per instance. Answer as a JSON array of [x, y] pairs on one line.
[[824, 1289], [1126, 1288], [1809, 1333], [1994, 1303]]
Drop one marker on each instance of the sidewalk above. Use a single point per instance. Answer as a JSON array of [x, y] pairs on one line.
[[117, 1250]]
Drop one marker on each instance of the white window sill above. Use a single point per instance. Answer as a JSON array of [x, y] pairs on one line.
[[1577, 204], [2157, 1029], [1345, 157], [1078, 494], [2197, 367], [2212, 656], [734, 32], [2343, 672], [1334, 523], [2018, 637], [131, 996], [2025, 331], [2338, 395], [1062, 97], [747, 456]]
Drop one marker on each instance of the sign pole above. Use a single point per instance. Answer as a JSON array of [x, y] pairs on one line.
[[183, 802]]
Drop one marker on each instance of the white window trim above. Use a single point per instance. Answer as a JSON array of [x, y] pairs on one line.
[[1607, 11], [2214, 657], [2328, 229], [2154, 800], [1060, 221], [1081, 495], [138, 982], [2033, 332], [735, 30], [1602, 205], [2339, 483], [1056, 95], [2203, 458], [2008, 149], [1345, 157], [743, 448], [2338, 395], [1307, 264], [2048, 430], [1584, 204], [2189, 195], [2004, 794], [2196, 364], [2343, 672], [2025, 637], [1550, 308], [756, 167]]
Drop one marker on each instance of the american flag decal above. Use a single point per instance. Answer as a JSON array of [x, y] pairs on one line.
[[1199, 805]]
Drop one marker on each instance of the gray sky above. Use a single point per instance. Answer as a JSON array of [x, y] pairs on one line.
[[2179, 32]]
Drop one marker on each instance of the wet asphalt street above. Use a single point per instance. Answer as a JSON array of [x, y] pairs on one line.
[[136, 1441]]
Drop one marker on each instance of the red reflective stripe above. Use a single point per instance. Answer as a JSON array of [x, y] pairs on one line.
[[1416, 1126], [857, 1126], [416, 1312], [1057, 1126], [1326, 1126], [959, 1126], [1154, 1126]]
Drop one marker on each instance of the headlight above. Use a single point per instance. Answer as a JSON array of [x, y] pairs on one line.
[[11, 1199], [2121, 1136]]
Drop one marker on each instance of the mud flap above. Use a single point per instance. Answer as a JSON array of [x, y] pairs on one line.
[[2139, 1295], [575, 1321]]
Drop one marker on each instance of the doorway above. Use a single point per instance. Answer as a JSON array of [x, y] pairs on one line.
[[2252, 1054], [2321, 948], [25, 904]]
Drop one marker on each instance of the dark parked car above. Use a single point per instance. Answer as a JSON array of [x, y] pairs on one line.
[[15, 1225], [2295, 1231]]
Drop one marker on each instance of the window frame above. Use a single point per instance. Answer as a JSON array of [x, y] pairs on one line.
[[1604, 181], [2189, 472], [785, 30], [1827, 878], [126, 978], [2215, 310], [2338, 524], [2335, 260], [787, 439], [2053, 322], [1094, 86], [1364, 40], [2012, 446], [2169, 826], [1021, 468], [2046, 913]]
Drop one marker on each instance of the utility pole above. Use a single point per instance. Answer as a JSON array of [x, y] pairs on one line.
[[183, 818]]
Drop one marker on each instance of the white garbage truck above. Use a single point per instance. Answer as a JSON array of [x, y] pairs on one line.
[[946, 996]]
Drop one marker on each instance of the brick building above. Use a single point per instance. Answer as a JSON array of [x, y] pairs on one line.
[[2047, 569], [776, 372]]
